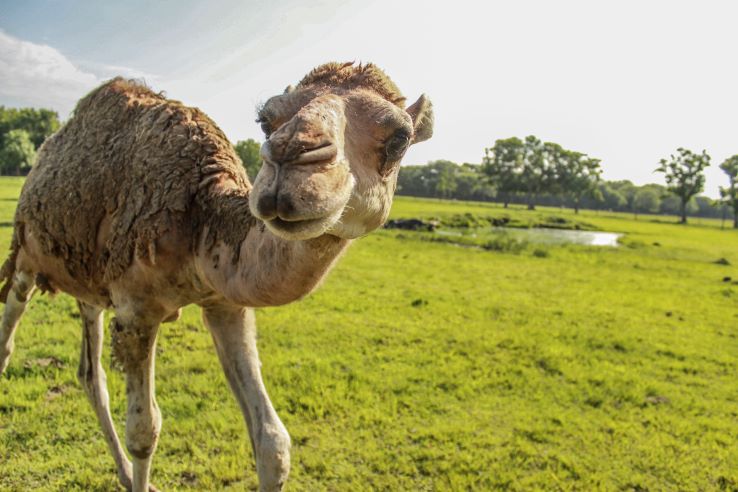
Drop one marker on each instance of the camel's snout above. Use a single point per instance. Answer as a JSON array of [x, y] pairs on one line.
[[288, 189], [305, 181]]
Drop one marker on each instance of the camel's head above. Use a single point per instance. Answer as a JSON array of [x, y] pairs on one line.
[[332, 152]]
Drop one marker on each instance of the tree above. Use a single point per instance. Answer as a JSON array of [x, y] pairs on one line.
[[503, 165], [39, 123], [472, 185], [724, 204], [412, 181], [17, 154], [250, 153], [684, 176], [646, 200], [612, 198], [443, 177], [536, 174], [730, 194], [577, 175]]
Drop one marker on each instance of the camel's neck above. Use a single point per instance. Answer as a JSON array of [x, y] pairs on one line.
[[249, 265], [269, 270]]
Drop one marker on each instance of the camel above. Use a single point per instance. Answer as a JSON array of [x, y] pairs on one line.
[[139, 205]]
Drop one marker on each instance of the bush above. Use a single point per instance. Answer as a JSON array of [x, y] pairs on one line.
[[505, 244], [541, 253]]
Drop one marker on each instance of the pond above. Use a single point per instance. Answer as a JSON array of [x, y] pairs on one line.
[[563, 236]]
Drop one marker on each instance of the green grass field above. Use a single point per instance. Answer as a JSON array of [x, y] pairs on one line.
[[429, 366]]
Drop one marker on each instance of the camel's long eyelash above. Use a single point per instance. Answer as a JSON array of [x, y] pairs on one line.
[[266, 127]]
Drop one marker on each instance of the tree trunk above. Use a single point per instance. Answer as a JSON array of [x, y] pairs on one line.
[[684, 213], [531, 205], [735, 221]]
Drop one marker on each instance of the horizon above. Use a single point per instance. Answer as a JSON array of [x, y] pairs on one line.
[[624, 82]]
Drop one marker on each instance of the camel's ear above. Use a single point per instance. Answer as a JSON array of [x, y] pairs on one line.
[[421, 111], [288, 89]]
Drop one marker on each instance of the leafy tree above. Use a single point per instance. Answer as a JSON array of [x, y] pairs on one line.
[[250, 153], [503, 165], [39, 123], [612, 199], [577, 175], [412, 181], [646, 200], [17, 154], [730, 194], [472, 185], [537, 173], [443, 177], [684, 176], [724, 204]]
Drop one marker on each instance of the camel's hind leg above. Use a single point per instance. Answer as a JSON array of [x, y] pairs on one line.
[[92, 377], [20, 293]]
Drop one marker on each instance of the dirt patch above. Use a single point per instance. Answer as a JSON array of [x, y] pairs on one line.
[[56, 391]]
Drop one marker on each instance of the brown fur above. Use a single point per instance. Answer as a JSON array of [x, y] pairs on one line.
[[128, 167], [350, 76]]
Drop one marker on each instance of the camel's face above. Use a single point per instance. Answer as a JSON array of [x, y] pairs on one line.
[[331, 160]]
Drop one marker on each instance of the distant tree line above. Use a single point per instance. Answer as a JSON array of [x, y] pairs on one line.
[[532, 172]]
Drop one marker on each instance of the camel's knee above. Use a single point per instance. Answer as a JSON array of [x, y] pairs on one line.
[[131, 344], [142, 431], [273, 458]]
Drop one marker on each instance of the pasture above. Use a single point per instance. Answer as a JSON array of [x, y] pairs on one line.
[[426, 365]]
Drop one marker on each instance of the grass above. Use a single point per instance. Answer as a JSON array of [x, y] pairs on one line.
[[422, 365]]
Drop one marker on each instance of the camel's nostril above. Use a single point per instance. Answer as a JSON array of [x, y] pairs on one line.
[[267, 206], [285, 207]]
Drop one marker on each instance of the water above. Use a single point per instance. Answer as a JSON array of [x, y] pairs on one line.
[[563, 236]]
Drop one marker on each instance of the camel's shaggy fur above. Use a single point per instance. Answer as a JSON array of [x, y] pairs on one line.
[[350, 76], [154, 163]]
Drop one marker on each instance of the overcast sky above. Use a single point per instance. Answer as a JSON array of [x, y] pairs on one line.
[[625, 81]]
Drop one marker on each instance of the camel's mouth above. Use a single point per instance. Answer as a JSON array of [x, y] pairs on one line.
[[298, 230]]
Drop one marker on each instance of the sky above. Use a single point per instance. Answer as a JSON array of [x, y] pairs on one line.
[[624, 81]]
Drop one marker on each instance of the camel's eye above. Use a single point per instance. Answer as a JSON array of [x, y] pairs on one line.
[[397, 144], [394, 149]]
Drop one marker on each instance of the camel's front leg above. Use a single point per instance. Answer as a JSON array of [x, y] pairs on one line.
[[134, 347], [234, 333], [92, 377]]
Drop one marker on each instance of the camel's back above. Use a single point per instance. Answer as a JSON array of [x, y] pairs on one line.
[[128, 167]]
